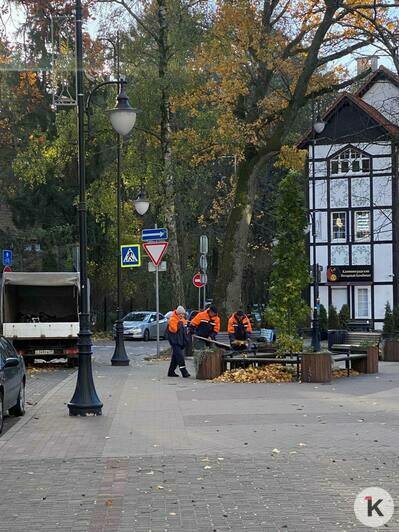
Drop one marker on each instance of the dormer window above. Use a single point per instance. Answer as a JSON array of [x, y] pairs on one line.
[[350, 161]]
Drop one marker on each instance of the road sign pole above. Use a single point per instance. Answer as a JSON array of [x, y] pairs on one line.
[[199, 298], [204, 294], [157, 305], [157, 301]]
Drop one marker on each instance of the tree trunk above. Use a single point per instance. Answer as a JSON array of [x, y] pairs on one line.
[[228, 290], [169, 210]]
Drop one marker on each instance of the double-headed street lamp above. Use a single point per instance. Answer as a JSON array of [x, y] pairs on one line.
[[85, 399]]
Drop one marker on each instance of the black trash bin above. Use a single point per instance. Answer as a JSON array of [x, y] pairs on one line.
[[336, 336]]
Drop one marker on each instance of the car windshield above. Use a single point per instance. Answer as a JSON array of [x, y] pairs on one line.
[[136, 316]]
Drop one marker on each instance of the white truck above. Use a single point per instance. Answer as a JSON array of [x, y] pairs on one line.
[[39, 314]]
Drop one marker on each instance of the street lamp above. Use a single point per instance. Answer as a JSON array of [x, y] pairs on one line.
[[141, 203], [85, 399], [123, 118], [318, 126]]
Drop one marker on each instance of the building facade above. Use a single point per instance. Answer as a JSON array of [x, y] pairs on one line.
[[353, 199]]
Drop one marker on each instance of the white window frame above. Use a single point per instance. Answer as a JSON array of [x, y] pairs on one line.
[[361, 238], [357, 315], [349, 155], [345, 219]]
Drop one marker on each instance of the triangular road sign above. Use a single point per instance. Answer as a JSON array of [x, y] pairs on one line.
[[155, 250]]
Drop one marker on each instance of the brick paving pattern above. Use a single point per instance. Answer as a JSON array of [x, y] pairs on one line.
[[189, 455]]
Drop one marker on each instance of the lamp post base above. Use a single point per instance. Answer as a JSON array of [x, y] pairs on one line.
[[119, 358], [75, 410], [85, 400], [120, 362]]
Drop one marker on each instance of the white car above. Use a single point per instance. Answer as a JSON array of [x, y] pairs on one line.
[[142, 324]]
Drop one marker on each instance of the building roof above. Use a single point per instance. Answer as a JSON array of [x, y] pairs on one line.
[[381, 74], [346, 97]]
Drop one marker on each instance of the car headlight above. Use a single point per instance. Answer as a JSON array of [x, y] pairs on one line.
[[136, 330]]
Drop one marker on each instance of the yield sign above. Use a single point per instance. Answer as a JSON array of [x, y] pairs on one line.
[[155, 250]]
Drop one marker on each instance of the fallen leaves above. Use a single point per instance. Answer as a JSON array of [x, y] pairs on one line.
[[339, 373], [269, 374]]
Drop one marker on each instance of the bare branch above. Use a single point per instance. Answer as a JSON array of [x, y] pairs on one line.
[[149, 132], [338, 86], [346, 51], [138, 20]]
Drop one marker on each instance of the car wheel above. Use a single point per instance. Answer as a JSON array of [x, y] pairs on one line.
[[146, 335], [1, 412], [19, 408]]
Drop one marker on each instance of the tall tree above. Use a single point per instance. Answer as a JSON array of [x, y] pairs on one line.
[[259, 65], [158, 22], [290, 275]]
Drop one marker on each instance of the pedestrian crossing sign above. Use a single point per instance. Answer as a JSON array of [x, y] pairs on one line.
[[130, 256]]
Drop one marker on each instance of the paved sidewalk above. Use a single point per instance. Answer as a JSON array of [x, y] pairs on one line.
[[186, 455]]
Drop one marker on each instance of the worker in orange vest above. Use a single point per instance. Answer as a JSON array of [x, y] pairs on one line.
[[239, 327], [177, 336], [206, 323]]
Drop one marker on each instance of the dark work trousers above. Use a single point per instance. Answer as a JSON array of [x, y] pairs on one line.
[[177, 358]]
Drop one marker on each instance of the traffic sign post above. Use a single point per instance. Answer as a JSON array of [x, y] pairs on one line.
[[130, 256], [155, 250], [154, 234], [197, 282], [7, 257], [155, 247], [204, 244], [162, 267], [203, 264]]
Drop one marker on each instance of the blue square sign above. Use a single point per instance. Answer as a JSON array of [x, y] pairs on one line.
[[7, 257], [130, 256]]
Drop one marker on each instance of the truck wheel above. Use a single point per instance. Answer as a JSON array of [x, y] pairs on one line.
[[19, 408], [146, 335], [1, 412]]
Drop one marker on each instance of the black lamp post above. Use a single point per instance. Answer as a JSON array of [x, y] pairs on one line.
[[85, 399], [317, 127], [122, 127], [123, 118]]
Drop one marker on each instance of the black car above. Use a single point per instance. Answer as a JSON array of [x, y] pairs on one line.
[[12, 381]]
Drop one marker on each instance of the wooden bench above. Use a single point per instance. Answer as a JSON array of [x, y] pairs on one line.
[[360, 325], [356, 341]]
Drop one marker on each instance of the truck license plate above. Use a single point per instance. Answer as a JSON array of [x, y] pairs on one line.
[[44, 351]]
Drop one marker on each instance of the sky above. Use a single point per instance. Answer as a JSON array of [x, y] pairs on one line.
[[93, 26]]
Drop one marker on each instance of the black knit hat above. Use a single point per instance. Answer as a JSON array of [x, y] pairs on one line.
[[213, 309]]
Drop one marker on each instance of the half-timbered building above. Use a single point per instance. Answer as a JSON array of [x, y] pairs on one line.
[[353, 199]]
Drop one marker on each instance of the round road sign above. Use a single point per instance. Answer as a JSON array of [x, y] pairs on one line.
[[197, 282]]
